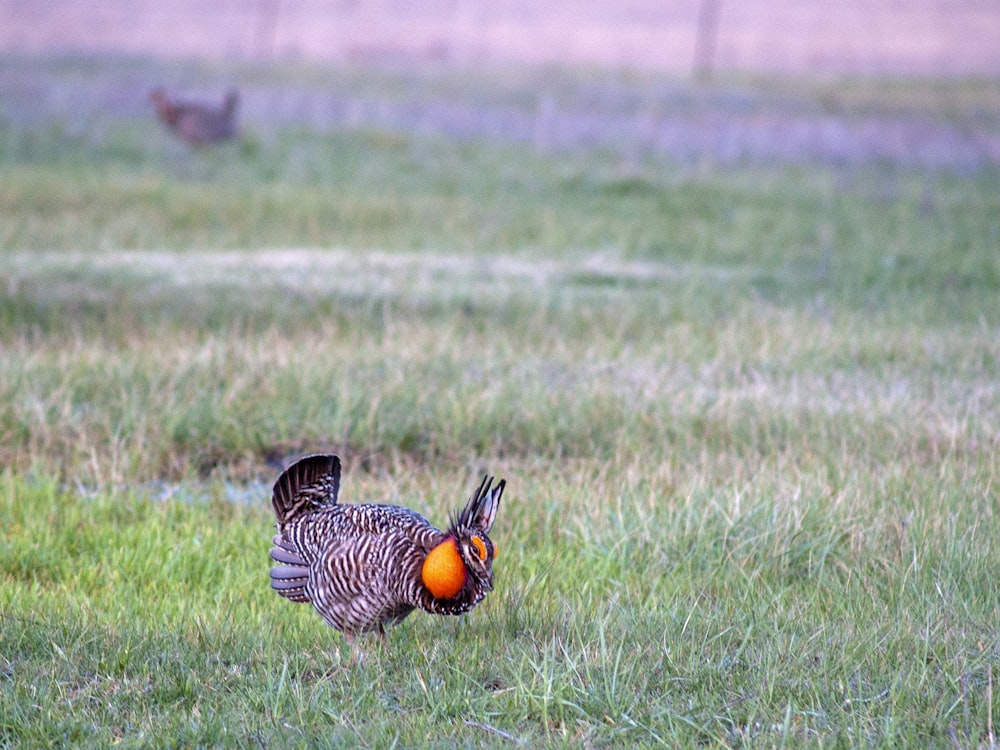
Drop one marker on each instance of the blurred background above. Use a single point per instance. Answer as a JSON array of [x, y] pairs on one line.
[[926, 37], [688, 80]]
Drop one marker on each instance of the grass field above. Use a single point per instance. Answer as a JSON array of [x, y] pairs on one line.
[[749, 416]]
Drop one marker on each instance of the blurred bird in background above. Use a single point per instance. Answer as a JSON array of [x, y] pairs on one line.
[[197, 123]]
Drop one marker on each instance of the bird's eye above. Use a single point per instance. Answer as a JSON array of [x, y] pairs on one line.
[[480, 546]]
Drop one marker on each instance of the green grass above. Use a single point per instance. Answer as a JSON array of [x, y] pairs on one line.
[[748, 417]]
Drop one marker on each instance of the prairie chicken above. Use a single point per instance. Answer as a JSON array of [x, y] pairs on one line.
[[367, 566], [196, 122]]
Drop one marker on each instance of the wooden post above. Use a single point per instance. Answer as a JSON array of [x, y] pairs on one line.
[[706, 36]]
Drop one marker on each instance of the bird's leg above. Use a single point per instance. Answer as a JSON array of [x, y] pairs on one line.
[[358, 651]]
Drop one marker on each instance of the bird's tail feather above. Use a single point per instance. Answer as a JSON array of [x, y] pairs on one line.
[[290, 577], [310, 483]]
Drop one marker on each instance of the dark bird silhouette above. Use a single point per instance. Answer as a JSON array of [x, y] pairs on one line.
[[365, 566], [197, 123]]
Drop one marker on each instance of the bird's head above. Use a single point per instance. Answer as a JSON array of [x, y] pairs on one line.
[[158, 97], [463, 561]]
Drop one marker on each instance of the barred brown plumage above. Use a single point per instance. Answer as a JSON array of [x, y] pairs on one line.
[[198, 123], [365, 566]]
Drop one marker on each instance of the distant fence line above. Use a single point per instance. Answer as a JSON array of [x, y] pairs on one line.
[[925, 37]]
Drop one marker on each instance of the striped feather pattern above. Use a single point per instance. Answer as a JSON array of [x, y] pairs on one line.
[[360, 565]]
